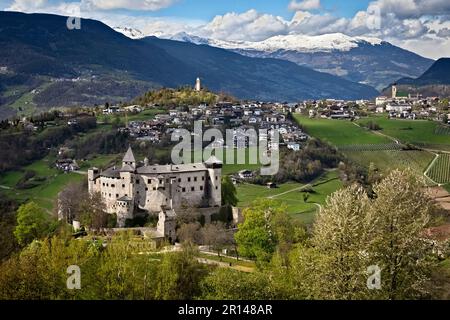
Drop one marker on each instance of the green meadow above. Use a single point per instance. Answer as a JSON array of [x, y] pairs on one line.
[[420, 132], [339, 132], [386, 160], [291, 195], [47, 182]]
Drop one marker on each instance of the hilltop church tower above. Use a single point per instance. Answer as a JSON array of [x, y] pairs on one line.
[[198, 85], [394, 91]]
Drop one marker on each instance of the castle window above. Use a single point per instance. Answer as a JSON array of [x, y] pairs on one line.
[[201, 188], [117, 196], [110, 195], [217, 188], [103, 184], [149, 181], [195, 179], [146, 189], [113, 186], [160, 181], [189, 179], [203, 178], [137, 181], [179, 179], [184, 189], [217, 178], [193, 189], [123, 186], [154, 188]]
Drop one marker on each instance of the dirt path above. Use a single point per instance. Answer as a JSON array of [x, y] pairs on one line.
[[379, 134], [434, 152], [431, 166], [225, 265], [290, 191], [440, 196]]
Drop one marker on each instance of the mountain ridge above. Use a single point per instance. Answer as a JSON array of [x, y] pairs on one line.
[[45, 65], [365, 60]]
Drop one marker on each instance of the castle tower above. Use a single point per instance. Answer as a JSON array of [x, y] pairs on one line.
[[214, 167], [129, 160], [394, 91], [167, 224], [92, 174], [124, 210], [198, 85]]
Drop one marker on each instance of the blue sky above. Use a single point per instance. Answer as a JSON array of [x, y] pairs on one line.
[[207, 9], [422, 26]]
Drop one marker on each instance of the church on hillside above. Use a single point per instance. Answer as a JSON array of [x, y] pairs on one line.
[[157, 189]]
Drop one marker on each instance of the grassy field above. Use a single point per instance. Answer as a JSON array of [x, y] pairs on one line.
[[340, 132], [420, 132], [387, 160], [232, 167], [143, 116], [291, 195], [48, 181]]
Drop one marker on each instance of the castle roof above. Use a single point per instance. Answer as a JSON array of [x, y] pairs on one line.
[[129, 156], [164, 169], [213, 160], [112, 172], [127, 168]]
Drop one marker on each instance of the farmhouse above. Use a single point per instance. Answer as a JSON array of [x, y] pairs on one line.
[[152, 188]]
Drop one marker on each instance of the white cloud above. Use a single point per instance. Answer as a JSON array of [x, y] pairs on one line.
[[422, 26], [407, 9], [90, 5], [149, 5], [428, 47], [314, 24], [27, 5], [444, 33], [250, 25], [304, 5]]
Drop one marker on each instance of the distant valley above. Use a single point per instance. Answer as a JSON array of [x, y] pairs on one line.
[[45, 65]]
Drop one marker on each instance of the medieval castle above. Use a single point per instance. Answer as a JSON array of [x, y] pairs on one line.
[[157, 189]]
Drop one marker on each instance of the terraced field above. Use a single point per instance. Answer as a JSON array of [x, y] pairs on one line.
[[371, 147], [442, 130], [440, 172]]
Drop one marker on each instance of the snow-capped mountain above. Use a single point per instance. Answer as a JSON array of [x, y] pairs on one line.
[[366, 60], [130, 32], [362, 59], [294, 42]]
